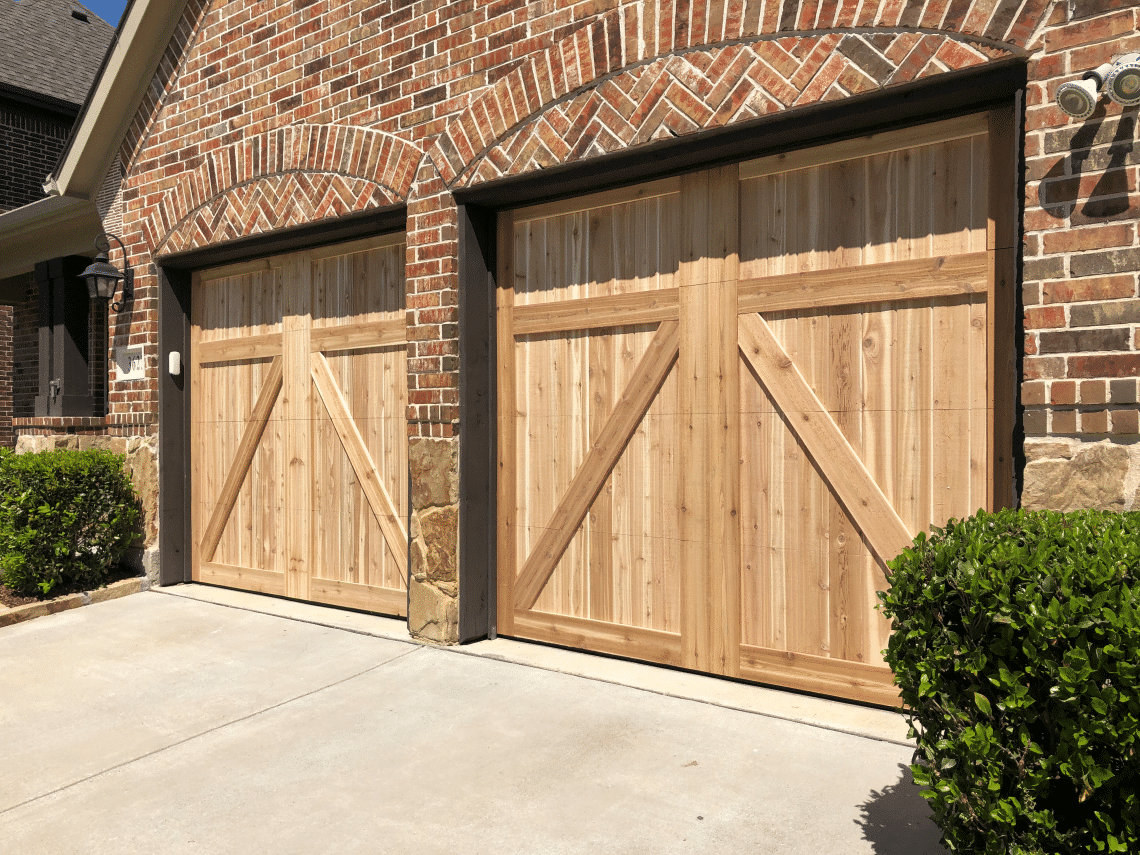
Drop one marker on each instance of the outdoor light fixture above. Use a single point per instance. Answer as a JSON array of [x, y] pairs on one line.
[[1123, 82], [1078, 97], [103, 278], [1120, 79]]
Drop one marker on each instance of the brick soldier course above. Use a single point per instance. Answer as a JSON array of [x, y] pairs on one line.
[[268, 116]]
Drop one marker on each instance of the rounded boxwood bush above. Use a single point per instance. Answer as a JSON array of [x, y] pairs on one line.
[[66, 518], [1016, 646]]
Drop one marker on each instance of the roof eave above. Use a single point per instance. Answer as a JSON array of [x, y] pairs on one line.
[[48, 228], [115, 97]]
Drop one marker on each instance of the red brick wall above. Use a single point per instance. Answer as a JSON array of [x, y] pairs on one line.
[[1082, 252], [465, 82]]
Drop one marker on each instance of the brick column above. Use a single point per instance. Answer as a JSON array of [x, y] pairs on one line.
[[433, 407]]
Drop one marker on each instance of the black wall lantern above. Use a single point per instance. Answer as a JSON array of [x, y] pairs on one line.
[[103, 278]]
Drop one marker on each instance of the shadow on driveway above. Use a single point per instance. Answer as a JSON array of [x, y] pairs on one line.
[[896, 820]]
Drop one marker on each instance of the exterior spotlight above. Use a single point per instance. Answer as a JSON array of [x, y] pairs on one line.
[[103, 278], [1078, 97], [1123, 82]]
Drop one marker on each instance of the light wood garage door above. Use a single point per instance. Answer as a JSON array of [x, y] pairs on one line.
[[726, 399], [299, 446]]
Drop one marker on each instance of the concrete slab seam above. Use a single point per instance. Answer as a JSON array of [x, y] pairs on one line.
[[206, 732]]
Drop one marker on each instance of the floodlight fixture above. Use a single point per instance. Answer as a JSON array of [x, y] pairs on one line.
[[1123, 82], [1078, 97]]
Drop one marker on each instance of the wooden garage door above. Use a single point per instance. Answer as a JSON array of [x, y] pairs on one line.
[[726, 399], [299, 447]]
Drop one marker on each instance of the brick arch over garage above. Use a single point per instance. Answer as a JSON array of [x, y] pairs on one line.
[[286, 177], [624, 80]]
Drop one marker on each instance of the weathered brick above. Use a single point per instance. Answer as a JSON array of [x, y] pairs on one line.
[[1062, 392], [1033, 393], [1036, 422], [1094, 421], [1105, 314], [1125, 422], [1045, 268], [1110, 261], [1063, 422], [1113, 365], [1096, 288], [1099, 237], [1094, 392], [1122, 391], [1045, 317], [1081, 341]]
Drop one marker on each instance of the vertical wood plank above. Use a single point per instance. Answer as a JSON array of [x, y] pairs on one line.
[[507, 417], [297, 412], [600, 560], [724, 616], [692, 376]]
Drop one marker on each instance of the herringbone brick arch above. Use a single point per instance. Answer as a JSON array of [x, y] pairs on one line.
[[631, 77], [290, 176]]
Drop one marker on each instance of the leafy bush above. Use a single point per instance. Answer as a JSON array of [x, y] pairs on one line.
[[1016, 646], [66, 518]]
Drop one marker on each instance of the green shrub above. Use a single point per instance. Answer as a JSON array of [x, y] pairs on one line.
[[1016, 646], [66, 518]]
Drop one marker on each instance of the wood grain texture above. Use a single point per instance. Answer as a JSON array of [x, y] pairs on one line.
[[918, 279], [381, 503], [643, 307], [629, 410], [751, 509], [862, 497], [237, 470], [865, 146], [299, 510]]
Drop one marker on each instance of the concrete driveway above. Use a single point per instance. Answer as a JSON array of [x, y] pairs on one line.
[[189, 720]]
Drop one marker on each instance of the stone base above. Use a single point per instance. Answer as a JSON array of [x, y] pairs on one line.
[[1068, 474]]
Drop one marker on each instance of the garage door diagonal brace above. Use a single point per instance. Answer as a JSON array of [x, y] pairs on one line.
[[587, 483], [379, 500], [250, 438], [812, 424]]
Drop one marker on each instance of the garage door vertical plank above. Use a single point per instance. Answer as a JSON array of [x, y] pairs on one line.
[[723, 405], [692, 377], [600, 346], [297, 413], [507, 546]]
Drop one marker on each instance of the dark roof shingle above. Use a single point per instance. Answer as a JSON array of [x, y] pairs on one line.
[[47, 50]]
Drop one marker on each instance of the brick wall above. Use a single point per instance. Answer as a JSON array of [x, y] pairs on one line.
[[1081, 260], [31, 141], [267, 115], [26, 352]]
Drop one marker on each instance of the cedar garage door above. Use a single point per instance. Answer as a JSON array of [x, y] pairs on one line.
[[726, 399], [299, 442]]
